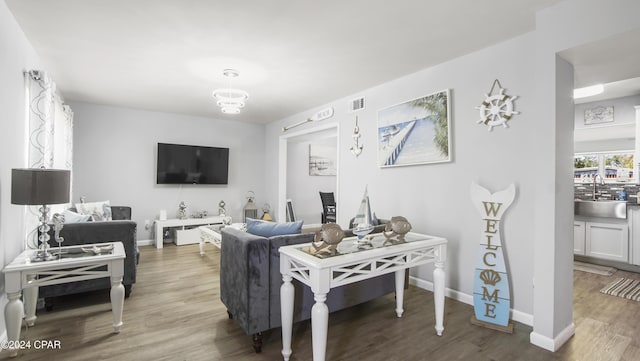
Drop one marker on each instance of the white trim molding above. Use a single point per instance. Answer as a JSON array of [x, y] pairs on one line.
[[516, 315], [553, 344]]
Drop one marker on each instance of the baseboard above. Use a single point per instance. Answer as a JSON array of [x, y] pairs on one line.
[[516, 315], [553, 344], [146, 242]]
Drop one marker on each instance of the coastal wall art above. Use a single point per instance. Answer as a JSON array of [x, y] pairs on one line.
[[415, 132], [322, 159]]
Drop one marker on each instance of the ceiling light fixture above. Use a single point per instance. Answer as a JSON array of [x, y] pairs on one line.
[[230, 100], [588, 91]]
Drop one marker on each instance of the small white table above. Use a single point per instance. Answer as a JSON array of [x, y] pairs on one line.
[[213, 234], [210, 234], [25, 275], [355, 263]]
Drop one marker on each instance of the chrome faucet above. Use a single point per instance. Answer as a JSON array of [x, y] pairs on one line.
[[595, 179]]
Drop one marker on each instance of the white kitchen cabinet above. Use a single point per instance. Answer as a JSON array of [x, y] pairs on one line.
[[633, 217], [607, 241], [579, 238]]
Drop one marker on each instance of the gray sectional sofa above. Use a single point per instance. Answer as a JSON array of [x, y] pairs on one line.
[[122, 229], [250, 283]]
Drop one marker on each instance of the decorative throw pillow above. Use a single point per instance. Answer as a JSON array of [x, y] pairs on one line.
[[73, 217], [99, 211], [270, 229]]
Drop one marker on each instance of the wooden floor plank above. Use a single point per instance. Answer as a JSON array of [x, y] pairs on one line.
[[174, 313]]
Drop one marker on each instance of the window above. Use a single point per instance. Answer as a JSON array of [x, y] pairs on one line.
[[615, 167]]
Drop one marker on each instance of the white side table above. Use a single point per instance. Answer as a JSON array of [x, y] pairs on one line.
[[353, 264], [24, 275]]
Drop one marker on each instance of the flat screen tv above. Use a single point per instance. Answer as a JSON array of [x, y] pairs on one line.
[[190, 164]]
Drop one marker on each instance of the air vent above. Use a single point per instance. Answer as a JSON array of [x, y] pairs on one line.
[[356, 105]]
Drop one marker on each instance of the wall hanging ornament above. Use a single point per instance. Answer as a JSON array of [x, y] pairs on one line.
[[491, 293], [356, 148], [496, 109]]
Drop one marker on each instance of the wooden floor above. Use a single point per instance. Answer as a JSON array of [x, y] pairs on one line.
[[174, 313]]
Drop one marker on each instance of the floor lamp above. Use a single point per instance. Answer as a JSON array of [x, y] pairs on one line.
[[40, 186]]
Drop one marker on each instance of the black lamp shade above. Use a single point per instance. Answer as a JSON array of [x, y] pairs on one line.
[[40, 186]]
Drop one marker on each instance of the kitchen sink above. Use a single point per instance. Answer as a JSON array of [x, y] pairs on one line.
[[601, 208]]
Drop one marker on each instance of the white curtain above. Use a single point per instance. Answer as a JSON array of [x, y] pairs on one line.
[[50, 135]]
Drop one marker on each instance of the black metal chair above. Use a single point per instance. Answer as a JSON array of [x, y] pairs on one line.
[[328, 207]]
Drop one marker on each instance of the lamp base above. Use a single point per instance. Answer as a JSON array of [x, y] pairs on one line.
[[44, 255]]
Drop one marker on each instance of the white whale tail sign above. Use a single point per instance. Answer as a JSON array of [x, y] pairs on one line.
[[491, 293]]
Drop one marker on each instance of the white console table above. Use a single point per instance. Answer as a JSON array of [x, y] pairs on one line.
[[184, 225], [352, 263]]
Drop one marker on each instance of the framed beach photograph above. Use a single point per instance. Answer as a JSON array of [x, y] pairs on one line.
[[415, 132], [322, 159]]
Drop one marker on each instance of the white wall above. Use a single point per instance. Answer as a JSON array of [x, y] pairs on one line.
[[566, 25], [17, 55], [115, 160], [435, 198], [302, 188]]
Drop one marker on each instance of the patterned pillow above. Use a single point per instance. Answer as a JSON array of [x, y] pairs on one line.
[[99, 211]]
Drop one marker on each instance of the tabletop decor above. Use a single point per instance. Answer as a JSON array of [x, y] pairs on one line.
[[491, 293], [221, 210], [363, 221], [250, 210], [265, 212], [496, 109], [326, 239], [40, 186], [182, 211], [397, 227], [415, 132]]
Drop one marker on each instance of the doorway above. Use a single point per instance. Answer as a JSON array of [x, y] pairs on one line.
[[297, 181]]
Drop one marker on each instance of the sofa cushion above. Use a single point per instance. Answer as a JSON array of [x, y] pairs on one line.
[[73, 217], [99, 211], [269, 229]]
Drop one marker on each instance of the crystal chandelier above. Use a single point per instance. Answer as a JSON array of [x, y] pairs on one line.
[[230, 100]]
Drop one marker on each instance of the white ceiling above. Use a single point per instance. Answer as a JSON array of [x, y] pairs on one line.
[[614, 62], [168, 55]]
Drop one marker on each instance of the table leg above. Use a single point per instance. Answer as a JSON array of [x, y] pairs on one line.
[[287, 295], [30, 301], [117, 302], [159, 235], [438, 296], [399, 292], [13, 312], [319, 326], [201, 245]]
